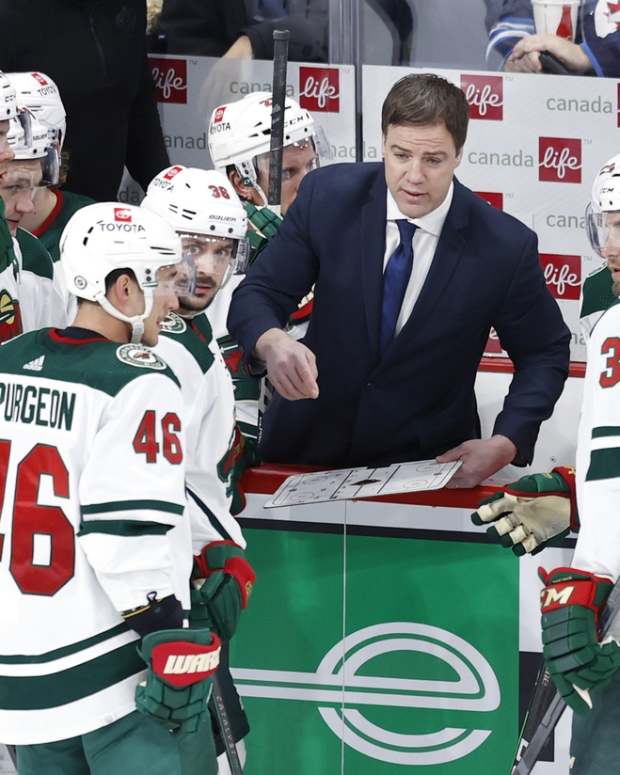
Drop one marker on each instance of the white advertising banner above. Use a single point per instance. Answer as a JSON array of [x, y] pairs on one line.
[[190, 88], [534, 145]]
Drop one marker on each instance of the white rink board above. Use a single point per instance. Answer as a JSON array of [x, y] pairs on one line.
[[535, 143]]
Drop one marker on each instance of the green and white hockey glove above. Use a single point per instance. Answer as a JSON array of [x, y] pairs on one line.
[[571, 605], [222, 583], [265, 224], [531, 512], [181, 664]]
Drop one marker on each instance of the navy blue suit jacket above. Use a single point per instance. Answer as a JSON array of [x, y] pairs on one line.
[[418, 399]]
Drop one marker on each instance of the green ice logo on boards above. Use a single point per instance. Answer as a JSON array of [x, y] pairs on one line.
[[475, 689]]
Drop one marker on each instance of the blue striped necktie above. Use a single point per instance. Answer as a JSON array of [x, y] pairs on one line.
[[395, 281]]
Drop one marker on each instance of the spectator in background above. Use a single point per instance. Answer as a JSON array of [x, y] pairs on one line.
[[243, 28], [596, 51], [96, 53]]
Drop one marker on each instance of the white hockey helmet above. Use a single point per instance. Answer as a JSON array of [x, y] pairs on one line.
[[240, 131], [10, 110], [35, 144], [105, 236], [8, 98], [38, 92], [201, 202], [605, 198]]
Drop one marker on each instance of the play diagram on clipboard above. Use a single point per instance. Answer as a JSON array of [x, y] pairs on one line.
[[351, 483]]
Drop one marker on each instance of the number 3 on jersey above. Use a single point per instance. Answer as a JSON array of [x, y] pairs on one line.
[[146, 439], [611, 375]]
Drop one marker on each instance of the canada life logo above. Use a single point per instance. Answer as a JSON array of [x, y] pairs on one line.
[[122, 215], [562, 275], [494, 198], [319, 89], [170, 78], [485, 95], [559, 159]]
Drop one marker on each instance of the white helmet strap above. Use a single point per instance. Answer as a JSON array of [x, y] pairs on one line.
[[135, 321]]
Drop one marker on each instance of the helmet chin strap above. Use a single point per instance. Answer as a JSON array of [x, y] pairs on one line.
[[135, 321]]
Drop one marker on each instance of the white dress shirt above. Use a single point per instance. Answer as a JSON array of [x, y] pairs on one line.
[[425, 242]]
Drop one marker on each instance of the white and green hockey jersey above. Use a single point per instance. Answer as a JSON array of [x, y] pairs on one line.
[[28, 297], [213, 443], [91, 491], [598, 451]]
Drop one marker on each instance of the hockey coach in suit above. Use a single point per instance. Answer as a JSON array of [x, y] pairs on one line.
[[410, 271]]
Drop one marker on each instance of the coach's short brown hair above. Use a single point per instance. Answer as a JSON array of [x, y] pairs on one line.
[[425, 98]]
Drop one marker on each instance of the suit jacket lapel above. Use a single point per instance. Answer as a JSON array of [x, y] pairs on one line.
[[372, 248]]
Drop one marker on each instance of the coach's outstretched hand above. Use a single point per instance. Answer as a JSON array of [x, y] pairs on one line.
[[291, 366]]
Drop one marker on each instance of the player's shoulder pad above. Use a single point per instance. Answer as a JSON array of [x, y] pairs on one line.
[[35, 257], [194, 339], [139, 356], [173, 324], [609, 319]]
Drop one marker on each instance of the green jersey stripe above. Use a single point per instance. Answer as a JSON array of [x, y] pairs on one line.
[[39, 692], [139, 505], [604, 464], [64, 651], [124, 527], [605, 430]]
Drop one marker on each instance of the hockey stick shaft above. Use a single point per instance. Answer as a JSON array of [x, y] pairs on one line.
[[280, 60], [225, 728]]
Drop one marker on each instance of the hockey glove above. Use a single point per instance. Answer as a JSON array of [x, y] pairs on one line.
[[217, 601], [181, 664], [531, 512], [571, 605]]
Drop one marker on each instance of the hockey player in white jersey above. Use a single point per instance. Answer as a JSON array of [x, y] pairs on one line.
[[37, 300], [573, 599], [10, 312], [205, 211], [239, 143], [52, 207], [96, 670]]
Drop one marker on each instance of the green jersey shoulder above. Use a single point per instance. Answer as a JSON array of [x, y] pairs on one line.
[[194, 334], [95, 362], [35, 257]]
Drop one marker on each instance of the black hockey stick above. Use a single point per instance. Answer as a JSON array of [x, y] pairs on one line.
[[226, 731], [547, 703], [278, 96]]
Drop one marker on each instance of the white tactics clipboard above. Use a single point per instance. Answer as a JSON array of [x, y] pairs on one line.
[[351, 483]]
